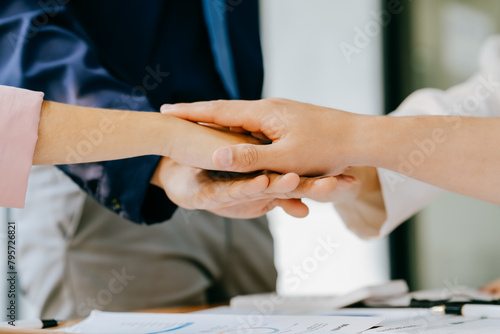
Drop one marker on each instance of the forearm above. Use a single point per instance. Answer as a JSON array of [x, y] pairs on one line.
[[459, 154], [71, 134]]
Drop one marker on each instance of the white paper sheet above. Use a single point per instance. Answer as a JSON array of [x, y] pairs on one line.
[[149, 323], [422, 321], [459, 325]]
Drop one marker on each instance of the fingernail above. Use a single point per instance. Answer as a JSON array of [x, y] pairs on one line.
[[166, 107], [349, 178], [223, 157]]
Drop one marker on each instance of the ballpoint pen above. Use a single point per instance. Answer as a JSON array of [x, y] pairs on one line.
[[469, 310]]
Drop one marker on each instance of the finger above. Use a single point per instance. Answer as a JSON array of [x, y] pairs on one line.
[[248, 188], [347, 178], [247, 158], [213, 193], [245, 209], [231, 191], [215, 126], [312, 187], [294, 207], [279, 184], [347, 181], [244, 114], [237, 129], [262, 137]]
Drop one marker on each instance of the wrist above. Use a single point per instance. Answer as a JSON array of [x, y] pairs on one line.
[[370, 140], [351, 137], [135, 133], [161, 132]]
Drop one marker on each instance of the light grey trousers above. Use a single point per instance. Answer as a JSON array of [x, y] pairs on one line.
[[75, 255]]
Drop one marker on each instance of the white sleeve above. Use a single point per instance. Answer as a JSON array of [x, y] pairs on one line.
[[379, 214]]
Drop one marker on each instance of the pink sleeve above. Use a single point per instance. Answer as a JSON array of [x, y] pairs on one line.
[[19, 118]]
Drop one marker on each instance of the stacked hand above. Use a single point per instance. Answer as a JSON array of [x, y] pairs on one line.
[[253, 123], [249, 197], [287, 124], [184, 177], [188, 149]]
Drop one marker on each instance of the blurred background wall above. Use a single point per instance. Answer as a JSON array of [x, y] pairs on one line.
[[429, 43], [304, 61], [454, 241]]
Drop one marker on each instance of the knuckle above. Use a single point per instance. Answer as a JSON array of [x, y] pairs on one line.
[[250, 155]]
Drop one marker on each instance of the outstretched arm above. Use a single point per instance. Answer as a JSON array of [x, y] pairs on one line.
[[72, 134], [459, 154], [310, 140]]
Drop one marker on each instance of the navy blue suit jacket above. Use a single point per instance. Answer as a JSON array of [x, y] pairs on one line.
[[125, 54]]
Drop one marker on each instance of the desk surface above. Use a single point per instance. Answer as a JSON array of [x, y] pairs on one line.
[[181, 309]]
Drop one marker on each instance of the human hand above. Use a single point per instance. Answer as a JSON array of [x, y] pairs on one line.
[[247, 197], [306, 139], [192, 144], [353, 184]]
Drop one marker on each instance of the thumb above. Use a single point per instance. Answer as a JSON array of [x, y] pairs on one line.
[[244, 158]]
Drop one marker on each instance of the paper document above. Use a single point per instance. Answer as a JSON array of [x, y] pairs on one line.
[[405, 320], [423, 321], [189, 323], [450, 325], [270, 303]]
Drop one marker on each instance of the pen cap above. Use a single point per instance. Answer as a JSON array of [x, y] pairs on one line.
[[488, 311]]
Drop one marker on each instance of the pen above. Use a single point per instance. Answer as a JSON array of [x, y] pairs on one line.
[[33, 324], [469, 310]]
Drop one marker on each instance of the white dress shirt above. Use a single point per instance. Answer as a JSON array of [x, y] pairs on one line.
[[378, 214]]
